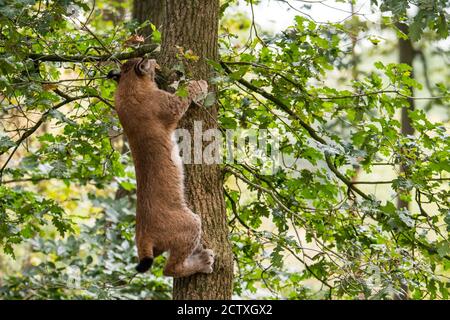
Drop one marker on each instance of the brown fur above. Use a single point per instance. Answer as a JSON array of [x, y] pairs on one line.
[[149, 117]]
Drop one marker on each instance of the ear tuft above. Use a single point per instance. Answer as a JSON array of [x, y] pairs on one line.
[[143, 67]]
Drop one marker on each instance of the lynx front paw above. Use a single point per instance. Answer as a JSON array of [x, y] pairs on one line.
[[203, 86], [198, 89]]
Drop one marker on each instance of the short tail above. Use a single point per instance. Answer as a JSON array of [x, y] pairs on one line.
[[144, 265]]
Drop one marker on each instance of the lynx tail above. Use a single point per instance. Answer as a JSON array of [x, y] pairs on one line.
[[144, 265]]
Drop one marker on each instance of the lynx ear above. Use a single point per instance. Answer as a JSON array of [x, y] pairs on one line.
[[143, 67], [146, 67]]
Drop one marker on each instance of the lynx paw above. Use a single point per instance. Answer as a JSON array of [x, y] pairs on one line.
[[206, 260], [203, 86], [199, 89]]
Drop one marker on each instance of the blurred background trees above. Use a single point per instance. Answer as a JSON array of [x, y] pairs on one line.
[[356, 93]]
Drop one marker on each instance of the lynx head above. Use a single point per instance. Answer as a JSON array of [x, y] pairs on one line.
[[135, 71]]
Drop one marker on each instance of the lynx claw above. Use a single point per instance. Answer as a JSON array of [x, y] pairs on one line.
[[207, 269], [199, 90], [209, 261], [206, 258], [203, 86]]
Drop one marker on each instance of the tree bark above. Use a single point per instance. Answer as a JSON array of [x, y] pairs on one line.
[[194, 25], [114, 14], [152, 10]]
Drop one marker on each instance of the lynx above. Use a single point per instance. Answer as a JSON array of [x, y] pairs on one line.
[[149, 117]]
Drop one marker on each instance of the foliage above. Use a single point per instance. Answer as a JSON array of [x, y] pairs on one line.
[[311, 229], [97, 263], [432, 14], [366, 246]]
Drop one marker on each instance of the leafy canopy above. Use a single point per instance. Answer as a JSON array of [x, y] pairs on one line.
[[63, 159]]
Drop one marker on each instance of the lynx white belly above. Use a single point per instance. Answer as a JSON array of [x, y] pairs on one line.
[[176, 159]]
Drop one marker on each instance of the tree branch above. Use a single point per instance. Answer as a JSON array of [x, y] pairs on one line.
[[392, 181], [306, 126], [316, 137], [139, 52], [30, 131], [356, 95]]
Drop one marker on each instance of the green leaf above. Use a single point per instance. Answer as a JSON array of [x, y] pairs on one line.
[[447, 221], [210, 99], [5, 143], [182, 91], [156, 35], [443, 248], [27, 232]]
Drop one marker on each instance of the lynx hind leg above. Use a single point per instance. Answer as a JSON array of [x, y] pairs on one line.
[[188, 256], [199, 262], [177, 265], [182, 246], [203, 259]]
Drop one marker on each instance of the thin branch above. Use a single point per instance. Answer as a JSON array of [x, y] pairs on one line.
[[299, 11], [64, 80], [105, 101], [306, 126], [392, 181], [307, 267], [29, 180], [235, 211], [352, 96], [357, 95], [424, 61], [278, 102], [254, 24], [328, 157], [256, 233]]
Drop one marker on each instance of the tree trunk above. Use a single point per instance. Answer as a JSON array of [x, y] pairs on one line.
[[194, 25], [115, 15], [354, 33], [406, 56], [152, 10]]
